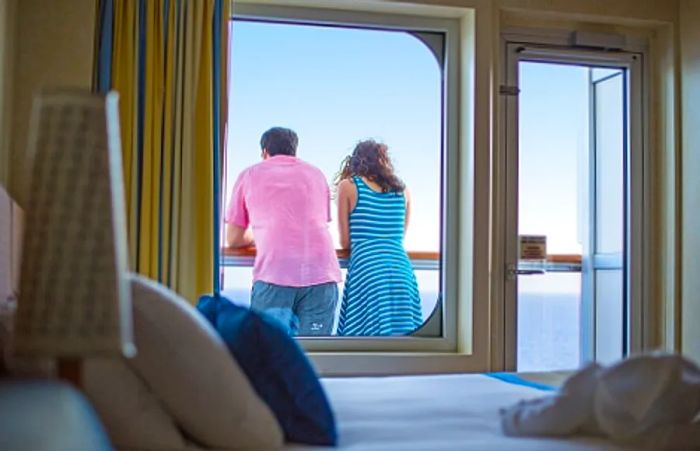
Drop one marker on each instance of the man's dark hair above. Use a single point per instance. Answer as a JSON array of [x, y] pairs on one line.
[[279, 141]]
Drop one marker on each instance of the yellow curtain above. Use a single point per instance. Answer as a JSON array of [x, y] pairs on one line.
[[162, 62]]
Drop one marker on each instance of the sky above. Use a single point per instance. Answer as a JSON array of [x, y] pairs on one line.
[[335, 87], [553, 152], [553, 135]]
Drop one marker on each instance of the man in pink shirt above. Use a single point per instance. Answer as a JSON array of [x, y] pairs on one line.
[[282, 205]]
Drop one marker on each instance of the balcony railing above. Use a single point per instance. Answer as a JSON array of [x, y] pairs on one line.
[[421, 260], [554, 263]]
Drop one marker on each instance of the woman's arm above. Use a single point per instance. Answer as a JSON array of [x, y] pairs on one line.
[[346, 194]]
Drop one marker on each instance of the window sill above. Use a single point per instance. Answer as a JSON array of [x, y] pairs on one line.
[[358, 364]]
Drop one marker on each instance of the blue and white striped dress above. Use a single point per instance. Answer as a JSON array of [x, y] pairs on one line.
[[381, 293]]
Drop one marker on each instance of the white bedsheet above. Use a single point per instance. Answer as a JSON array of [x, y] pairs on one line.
[[433, 413]]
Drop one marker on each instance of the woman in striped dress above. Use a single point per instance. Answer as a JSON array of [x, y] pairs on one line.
[[381, 294]]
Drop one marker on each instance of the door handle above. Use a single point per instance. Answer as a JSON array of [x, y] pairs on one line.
[[512, 271]]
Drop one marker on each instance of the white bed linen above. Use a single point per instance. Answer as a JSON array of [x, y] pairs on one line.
[[433, 413]]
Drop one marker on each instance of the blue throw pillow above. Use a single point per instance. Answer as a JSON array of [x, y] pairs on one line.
[[277, 368]]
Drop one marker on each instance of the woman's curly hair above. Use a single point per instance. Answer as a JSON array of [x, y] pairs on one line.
[[370, 160]]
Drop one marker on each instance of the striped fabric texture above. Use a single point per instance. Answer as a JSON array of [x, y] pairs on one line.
[[381, 294], [167, 61]]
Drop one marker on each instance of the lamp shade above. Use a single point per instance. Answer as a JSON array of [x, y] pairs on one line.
[[74, 298]]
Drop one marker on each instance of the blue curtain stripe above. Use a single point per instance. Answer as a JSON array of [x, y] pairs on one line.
[[141, 70], [177, 63], [216, 59], [104, 62], [166, 64]]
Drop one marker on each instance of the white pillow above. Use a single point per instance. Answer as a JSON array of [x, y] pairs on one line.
[[187, 365], [131, 413]]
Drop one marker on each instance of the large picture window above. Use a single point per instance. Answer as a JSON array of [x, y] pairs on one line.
[[336, 86]]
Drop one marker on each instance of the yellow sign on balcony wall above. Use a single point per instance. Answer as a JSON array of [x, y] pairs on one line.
[[533, 247]]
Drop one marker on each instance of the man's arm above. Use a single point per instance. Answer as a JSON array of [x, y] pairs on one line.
[[238, 237], [238, 233]]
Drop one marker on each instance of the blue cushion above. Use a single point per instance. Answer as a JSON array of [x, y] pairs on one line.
[[277, 368]]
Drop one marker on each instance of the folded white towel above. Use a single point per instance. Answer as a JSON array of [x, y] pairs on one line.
[[560, 414], [641, 393], [650, 400]]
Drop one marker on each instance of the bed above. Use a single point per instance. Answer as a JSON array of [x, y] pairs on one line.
[[435, 413]]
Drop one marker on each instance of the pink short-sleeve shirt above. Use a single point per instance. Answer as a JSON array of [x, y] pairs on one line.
[[286, 202]]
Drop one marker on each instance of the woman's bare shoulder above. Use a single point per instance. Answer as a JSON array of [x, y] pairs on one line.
[[346, 184]]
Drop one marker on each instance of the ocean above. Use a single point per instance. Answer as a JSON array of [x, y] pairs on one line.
[[548, 329]]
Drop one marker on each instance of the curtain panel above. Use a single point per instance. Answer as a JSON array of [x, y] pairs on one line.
[[167, 59]]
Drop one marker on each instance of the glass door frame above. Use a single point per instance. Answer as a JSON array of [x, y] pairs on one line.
[[636, 200]]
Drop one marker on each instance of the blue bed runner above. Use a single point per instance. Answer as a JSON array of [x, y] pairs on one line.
[[513, 378]]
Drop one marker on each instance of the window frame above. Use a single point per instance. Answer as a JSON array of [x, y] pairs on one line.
[[458, 26]]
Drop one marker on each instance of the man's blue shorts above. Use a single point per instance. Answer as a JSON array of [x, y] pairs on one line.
[[300, 310]]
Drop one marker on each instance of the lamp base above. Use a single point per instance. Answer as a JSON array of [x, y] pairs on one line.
[[70, 370]]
